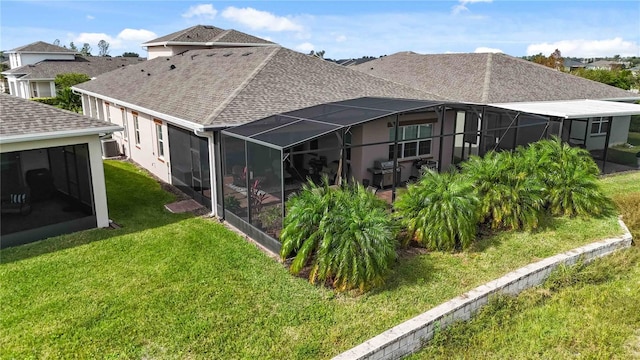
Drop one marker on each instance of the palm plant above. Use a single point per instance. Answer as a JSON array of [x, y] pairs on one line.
[[439, 211], [509, 196], [346, 235], [570, 178]]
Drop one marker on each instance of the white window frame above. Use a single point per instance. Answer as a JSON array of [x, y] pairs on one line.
[[108, 111], [136, 129], [402, 143], [159, 140], [599, 122], [124, 124]]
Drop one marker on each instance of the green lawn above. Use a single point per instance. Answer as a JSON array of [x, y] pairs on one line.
[[176, 286], [623, 154]]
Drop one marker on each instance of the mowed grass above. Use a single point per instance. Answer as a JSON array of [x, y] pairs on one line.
[[590, 312], [623, 154], [177, 286]]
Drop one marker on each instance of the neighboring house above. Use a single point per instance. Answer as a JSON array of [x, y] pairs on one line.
[[52, 179], [201, 37], [239, 129], [34, 68], [570, 65], [604, 65], [499, 78]]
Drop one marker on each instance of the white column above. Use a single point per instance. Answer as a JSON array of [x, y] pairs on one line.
[[52, 84], [85, 108], [98, 182]]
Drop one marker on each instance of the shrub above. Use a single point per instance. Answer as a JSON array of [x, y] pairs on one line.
[[439, 211], [345, 234], [47, 100], [569, 175], [509, 196]]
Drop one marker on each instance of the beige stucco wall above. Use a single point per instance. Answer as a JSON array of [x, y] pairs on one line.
[[146, 151]]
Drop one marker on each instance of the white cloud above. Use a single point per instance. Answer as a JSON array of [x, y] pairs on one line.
[[205, 11], [90, 17], [126, 40], [260, 20], [462, 5], [341, 38], [484, 49], [305, 47], [587, 48]]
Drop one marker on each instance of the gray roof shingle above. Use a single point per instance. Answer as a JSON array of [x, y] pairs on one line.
[[20, 117], [92, 66], [41, 46], [487, 78], [222, 87], [208, 33]]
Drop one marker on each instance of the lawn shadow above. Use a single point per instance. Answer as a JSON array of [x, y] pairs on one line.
[[136, 203], [413, 266]]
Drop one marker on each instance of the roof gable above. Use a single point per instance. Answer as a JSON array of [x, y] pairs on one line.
[[42, 47], [207, 34], [484, 78]]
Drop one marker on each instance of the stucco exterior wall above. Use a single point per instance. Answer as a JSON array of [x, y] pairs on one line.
[[160, 51], [27, 59], [145, 152]]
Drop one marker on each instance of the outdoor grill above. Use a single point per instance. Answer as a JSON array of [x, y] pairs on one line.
[[383, 174]]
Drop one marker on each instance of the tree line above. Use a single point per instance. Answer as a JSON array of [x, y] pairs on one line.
[[103, 49]]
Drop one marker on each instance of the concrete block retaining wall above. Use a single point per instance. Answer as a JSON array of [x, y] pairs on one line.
[[409, 336]]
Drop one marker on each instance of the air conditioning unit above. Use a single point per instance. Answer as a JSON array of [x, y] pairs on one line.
[[110, 148]]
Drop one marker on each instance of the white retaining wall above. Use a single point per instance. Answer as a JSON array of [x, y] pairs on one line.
[[409, 336]]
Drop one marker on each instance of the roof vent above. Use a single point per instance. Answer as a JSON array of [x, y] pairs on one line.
[[148, 74], [210, 55], [141, 70], [227, 54], [194, 55], [172, 67], [208, 27], [247, 54]]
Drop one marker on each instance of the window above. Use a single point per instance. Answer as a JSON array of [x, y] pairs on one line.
[[124, 124], [136, 128], [411, 141], [600, 126], [160, 140], [108, 112]]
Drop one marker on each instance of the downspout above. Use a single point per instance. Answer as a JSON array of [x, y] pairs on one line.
[[212, 169], [606, 145], [395, 160]]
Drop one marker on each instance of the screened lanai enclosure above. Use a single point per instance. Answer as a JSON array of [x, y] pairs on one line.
[[381, 142], [45, 192]]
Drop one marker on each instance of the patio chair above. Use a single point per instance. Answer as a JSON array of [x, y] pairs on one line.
[[16, 202]]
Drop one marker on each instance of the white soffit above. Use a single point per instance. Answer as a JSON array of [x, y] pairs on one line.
[[573, 109]]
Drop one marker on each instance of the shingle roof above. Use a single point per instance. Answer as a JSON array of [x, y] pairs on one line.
[[221, 87], [207, 33], [91, 66], [41, 46], [487, 78], [20, 117]]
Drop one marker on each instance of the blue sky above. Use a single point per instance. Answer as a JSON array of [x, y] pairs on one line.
[[344, 29]]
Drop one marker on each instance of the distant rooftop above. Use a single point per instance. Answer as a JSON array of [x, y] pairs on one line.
[[207, 34], [91, 66], [41, 47]]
